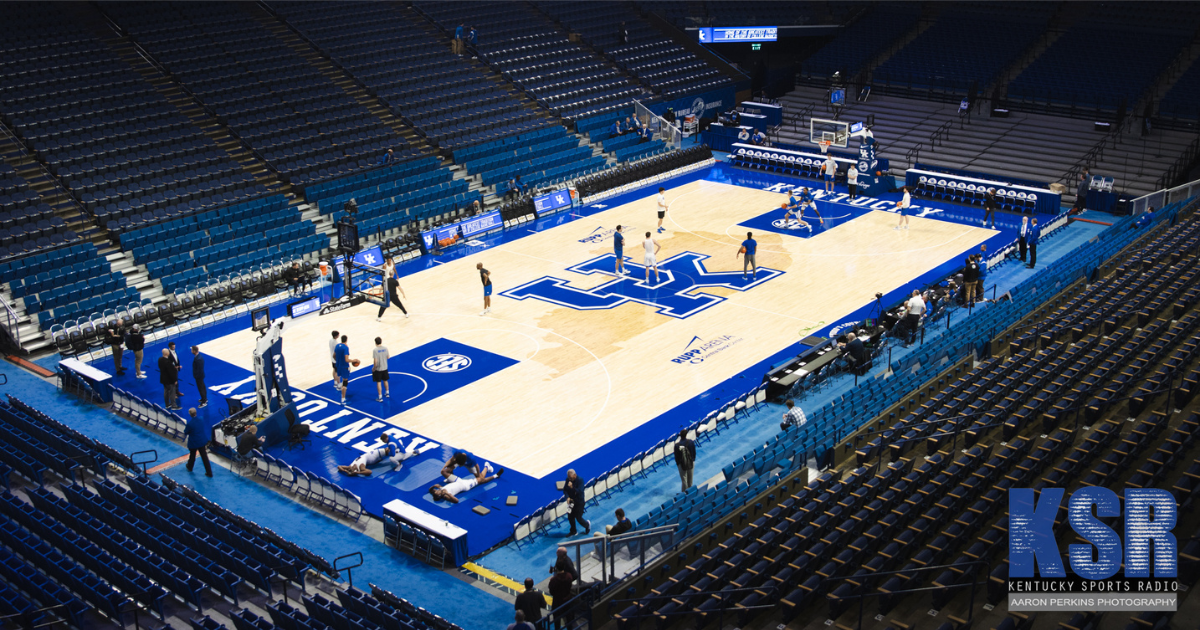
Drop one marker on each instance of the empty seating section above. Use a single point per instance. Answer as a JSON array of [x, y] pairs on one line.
[[862, 40], [67, 283], [649, 55], [449, 100], [96, 547], [935, 506], [1083, 69], [531, 52], [27, 224], [968, 45], [231, 240], [1182, 101], [116, 144], [294, 117], [539, 157]]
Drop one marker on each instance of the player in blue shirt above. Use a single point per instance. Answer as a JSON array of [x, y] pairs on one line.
[[796, 208], [749, 247], [341, 365], [619, 251]]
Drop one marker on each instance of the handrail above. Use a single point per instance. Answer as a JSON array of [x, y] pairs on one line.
[[10, 323], [143, 463], [349, 575], [864, 594], [609, 543], [1178, 170]]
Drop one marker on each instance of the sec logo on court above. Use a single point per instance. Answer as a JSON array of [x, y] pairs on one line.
[[446, 363]]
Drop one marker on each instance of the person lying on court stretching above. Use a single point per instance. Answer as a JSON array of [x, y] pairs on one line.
[[450, 491], [461, 459], [387, 449]]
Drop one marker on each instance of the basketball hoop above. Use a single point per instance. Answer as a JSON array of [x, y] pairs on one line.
[[824, 144]]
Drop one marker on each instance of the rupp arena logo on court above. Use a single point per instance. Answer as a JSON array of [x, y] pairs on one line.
[[598, 236], [699, 350], [1037, 579]]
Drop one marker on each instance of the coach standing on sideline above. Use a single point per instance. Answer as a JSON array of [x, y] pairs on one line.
[[1035, 233], [114, 334], [989, 207], [1023, 237], [198, 375], [852, 180], [168, 375], [136, 343], [685, 458]]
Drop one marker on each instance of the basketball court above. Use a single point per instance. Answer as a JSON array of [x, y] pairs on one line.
[[576, 367]]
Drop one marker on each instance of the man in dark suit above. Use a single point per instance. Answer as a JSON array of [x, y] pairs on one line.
[[178, 369], [114, 334], [1035, 233], [685, 458], [198, 374], [560, 591], [531, 602], [1023, 237], [573, 489], [168, 375], [196, 434]]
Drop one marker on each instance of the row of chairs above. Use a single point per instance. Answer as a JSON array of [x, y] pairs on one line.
[[307, 486], [953, 191]]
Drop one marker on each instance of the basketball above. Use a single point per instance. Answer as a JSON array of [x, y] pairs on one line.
[[355, 362], [742, 250]]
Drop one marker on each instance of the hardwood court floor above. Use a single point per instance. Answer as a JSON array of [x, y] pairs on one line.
[[586, 377]]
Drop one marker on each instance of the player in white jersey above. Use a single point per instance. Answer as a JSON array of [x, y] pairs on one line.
[[904, 204], [450, 491], [387, 449], [651, 261], [662, 208]]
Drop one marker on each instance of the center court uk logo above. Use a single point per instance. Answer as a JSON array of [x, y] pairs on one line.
[[674, 294], [446, 363]]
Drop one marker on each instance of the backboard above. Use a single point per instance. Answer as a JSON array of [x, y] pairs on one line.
[[833, 131]]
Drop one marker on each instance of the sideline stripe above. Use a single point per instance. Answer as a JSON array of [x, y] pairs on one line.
[[1090, 221], [169, 464], [32, 367], [506, 582]]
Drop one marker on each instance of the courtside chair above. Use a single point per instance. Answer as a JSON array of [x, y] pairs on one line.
[[263, 469], [302, 486]]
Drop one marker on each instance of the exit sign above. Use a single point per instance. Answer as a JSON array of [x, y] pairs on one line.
[[755, 46]]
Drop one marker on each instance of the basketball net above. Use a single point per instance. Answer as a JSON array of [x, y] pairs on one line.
[[824, 144]]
